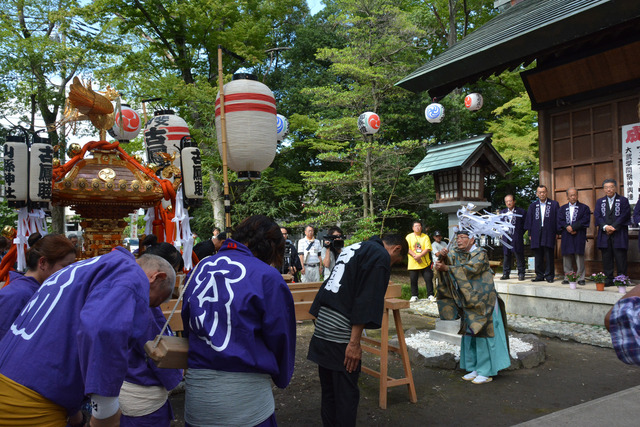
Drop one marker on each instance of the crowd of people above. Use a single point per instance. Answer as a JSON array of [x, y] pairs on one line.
[[75, 331], [545, 220]]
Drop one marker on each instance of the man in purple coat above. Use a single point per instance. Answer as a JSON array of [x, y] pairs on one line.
[[612, 215], [573, 219], [517, 217], [541, 222], [73, 336]]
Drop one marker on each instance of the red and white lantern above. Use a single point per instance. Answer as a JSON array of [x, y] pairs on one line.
[[163, 134], [368, 123], [434, 113], [250, 116], [127, 124], [16, 172], [473, 101]]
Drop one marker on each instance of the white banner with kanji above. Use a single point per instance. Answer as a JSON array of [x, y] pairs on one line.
[[631, 161]]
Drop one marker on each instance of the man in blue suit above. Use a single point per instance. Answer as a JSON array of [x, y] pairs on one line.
[[573, 220], [517, 218], [612, 215], [541, 222]]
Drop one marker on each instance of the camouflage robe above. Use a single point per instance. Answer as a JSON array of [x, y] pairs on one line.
[[467, 291]]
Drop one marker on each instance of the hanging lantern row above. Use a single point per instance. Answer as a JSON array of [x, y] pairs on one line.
[[251, 124], [369, 123], [434, 112], [27, 173]]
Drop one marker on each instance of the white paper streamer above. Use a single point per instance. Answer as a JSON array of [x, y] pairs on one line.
[[488, 224], [38, 222], [149, 217], [184, 236], [21, 237]]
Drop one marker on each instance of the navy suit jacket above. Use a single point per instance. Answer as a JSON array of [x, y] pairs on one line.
[[574, 243], [542, 234], [618, 217], [518, 232]]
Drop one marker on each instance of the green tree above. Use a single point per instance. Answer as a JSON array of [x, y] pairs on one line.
[[43, 44]]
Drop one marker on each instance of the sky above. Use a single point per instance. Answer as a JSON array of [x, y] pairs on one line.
[[315, 6]]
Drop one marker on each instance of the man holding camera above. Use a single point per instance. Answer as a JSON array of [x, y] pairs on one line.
[[309, 251], [291, 262], [331, 248]]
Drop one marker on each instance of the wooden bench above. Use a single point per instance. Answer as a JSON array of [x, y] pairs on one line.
[[303, 296]]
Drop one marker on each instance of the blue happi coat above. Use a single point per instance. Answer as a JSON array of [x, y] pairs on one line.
[[574, 243], [73, 336], [618, 217], [239, 316], [542, 231], [516, 237]]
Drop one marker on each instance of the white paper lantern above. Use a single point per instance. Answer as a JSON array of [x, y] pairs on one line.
[[40, 170], [163, 134], [368, 123], [434, 113], [473, 101], [16, 173], [191, 173], [282, 126], [127, 124], [250, 116]]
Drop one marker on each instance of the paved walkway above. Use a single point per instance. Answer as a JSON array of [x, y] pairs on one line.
[[616, 410]]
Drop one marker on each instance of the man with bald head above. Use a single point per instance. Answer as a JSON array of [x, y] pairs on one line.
[[573, 220]]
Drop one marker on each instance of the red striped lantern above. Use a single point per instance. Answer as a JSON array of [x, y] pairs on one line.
[[163, 134], [250, 115]]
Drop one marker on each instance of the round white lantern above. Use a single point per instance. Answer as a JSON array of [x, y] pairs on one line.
[[282, 127], [163, 134], [250, 116], [473, 101], [368, 123], [434, 113], [127, 124]]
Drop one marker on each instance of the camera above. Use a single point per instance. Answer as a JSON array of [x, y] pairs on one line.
[[333, 242]]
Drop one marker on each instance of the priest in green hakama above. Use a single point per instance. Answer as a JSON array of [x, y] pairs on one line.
[[466, 291]]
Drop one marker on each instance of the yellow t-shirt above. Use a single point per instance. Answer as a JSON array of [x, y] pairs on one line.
[[425, 245]]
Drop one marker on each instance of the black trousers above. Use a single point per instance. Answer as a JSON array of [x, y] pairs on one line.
[[609, 254], [340, 397], [508, 260], [544, 262], [427, 275]]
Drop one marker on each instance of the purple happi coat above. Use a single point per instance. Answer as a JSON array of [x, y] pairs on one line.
[[13, 297], [542, 231], [73, 336], [518, 232], [618, 217], [239, 316], [574, 243]]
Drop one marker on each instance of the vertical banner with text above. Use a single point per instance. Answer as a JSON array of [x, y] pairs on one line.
[[631, 161]]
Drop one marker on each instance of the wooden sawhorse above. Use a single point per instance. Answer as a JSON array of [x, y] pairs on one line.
[[382, 348]]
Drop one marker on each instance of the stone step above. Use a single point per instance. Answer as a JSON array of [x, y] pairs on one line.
[[446, 331]]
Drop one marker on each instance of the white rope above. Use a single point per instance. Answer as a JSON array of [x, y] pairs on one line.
[[488, 224]]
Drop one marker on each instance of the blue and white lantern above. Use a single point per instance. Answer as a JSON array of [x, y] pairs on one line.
[[282, 127], [434, 113]]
